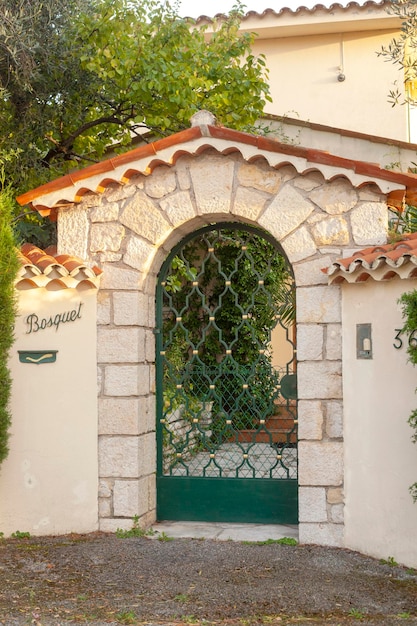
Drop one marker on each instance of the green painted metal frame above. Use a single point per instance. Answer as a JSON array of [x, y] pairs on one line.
[[268, 500], [227, 499]]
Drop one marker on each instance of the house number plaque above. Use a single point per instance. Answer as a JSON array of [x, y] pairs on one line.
[[399, 342]]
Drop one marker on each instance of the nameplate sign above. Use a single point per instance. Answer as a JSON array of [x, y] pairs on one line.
[[35, 322]]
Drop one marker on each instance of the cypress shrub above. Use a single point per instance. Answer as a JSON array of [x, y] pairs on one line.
[[8, 269]]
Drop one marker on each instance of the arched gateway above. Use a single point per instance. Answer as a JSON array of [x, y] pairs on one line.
[[128, 214], [226, 392]]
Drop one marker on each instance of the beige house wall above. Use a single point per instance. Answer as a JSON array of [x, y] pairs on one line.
[[379, 395], [129, 230], [48, 483], [303, 77]]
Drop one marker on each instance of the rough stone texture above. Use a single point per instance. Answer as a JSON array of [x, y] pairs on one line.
[[371, 193], [104, 507], [178, 208], [142, 217], [248, 203], [370, 223], [335, 197], [110, 525], [118, 456], [312, 504], [106, 237], [318, 305], [335, 495], [309, 342], [109, 257], [307, 183], [139, 253], [287, 211], [120, 345], [308, 273], [334, 342], [73, 228], [161, 182], [212, 178], [128, 499], [310, 419], [322, 534], [334, 419], [120, 278], [130, 308], [298, 246], [332, 231], [147, 454], [105, 489], [123, 380], [337, 513], [260, 178], [103, 308], [149, 346], [106, 212], [320, 463], [319, 379], [183, 173], [118, 416], [121, 191]]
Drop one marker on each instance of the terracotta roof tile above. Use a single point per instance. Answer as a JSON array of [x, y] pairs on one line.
[[383, 262], [143, 160], [45, 268], [317, 7]]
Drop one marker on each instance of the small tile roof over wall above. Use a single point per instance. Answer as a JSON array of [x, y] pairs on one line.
[[392, 260], [45, 268], [202, 136]]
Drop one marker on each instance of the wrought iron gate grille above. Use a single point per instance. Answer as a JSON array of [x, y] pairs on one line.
[[226, 400]]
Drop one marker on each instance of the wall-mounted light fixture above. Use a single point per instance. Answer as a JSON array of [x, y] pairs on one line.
[[341, 77], [363, 341]]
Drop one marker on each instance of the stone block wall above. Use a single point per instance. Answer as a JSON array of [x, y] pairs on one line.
[[129, 230]]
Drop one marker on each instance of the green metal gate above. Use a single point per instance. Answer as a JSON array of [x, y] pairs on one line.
[[226, 380]]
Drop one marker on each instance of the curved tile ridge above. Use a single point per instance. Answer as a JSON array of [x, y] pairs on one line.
[[70, 189], [42, 268], [383, 262], [302, 8]]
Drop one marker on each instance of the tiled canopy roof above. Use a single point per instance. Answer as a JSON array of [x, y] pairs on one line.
[[45, 268], [385, 262], [328, 7], [143, 160]]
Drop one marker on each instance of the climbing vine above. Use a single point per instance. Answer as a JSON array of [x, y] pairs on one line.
[[8, 271], [408, 302]]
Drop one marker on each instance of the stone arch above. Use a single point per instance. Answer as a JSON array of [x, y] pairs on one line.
[[130, 230]]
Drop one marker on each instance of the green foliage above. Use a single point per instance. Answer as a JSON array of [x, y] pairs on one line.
[[400, 51], [389, 561], [408, 302], [79, 75], [283, 541], [19, 534], [8, 270], [135, 531], [403, 222]]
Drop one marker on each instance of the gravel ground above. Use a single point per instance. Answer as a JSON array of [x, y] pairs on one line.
[[100, 579]]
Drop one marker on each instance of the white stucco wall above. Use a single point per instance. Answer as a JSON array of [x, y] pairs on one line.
[[379, 394], [49, 481]]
